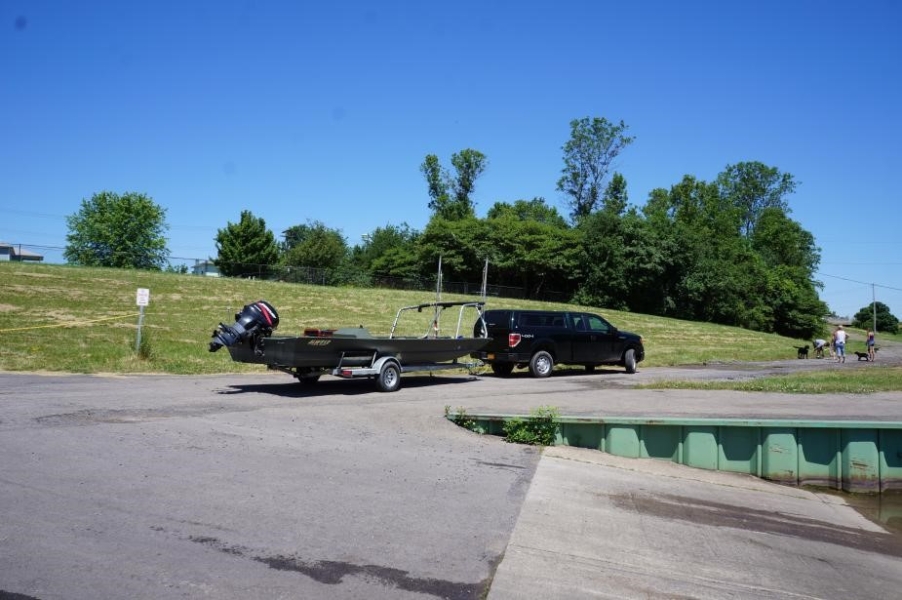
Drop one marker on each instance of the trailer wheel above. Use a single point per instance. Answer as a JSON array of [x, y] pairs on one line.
[[541, 364], [389, 379]]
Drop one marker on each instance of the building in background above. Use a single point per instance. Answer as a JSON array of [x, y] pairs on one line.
[[15, 252], [205, 267]]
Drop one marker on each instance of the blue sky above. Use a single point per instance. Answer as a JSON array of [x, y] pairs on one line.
[[303, 111]]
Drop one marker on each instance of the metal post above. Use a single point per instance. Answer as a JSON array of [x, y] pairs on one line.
[[142, 299], [140, 323]]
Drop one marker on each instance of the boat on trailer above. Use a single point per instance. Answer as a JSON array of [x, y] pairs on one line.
[[353, 352]]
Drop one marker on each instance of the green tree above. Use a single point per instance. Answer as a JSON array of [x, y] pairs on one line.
[[451, 196], [180, 269], [626, 264], [246, 248], [791, 258], [588, 155], [389, 250], [711, 273], [753, 187], [462, 244], [314, 245], [781, 241], [603, 280], [792, 303], [528, 210], [615, 198], [468, 165], [437, 184], [532, 248], [125, 231], [886, 321]]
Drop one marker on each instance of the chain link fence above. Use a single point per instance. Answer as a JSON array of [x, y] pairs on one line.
[[363, 279], [308, 275]]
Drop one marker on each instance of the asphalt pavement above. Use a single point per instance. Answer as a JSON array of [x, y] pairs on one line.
[[246, 487]]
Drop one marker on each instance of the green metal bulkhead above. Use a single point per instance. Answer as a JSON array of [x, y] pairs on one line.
[[853, 456]]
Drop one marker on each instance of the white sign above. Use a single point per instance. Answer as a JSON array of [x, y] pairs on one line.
[[143, 296]]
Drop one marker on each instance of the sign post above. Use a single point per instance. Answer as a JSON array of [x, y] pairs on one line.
[[143, 299]]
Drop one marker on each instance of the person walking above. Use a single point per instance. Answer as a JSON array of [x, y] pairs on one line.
[[872, 350], [839, 341]]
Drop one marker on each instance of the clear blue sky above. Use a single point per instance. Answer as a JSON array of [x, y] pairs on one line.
[[324, 111]]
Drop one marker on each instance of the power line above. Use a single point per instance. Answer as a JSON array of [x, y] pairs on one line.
[[867, 264], [885, 287]]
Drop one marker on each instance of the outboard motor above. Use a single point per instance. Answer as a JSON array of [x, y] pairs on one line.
[[254, 322]]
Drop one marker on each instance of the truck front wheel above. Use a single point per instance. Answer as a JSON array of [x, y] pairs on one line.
[[541, 364], [629, 361]]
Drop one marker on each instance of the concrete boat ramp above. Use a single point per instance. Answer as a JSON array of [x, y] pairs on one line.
[[595, 525]]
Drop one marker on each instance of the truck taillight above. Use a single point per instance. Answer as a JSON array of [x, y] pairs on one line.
[[513, 339]]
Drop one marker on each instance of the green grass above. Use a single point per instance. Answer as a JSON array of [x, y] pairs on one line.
[[839, 381], [84, 320]]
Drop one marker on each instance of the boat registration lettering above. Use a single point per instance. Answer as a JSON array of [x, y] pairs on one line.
[[319, 342]]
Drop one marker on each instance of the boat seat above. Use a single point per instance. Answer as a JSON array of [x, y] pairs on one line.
[[314, 332]]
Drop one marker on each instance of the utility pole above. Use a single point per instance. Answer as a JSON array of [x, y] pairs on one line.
[[874, 308]]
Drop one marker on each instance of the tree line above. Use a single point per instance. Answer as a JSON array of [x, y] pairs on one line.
[[723, 251]]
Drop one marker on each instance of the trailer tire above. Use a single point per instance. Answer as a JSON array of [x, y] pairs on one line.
[[389, 379]]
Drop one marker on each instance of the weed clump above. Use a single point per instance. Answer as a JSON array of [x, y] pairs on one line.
[[540, 428], [461, 418]]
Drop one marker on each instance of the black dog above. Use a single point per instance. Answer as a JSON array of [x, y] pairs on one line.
[[803, 351], [862, 356]]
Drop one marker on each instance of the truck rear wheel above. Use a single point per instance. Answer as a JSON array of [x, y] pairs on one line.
[[502, 369], [541, 364]]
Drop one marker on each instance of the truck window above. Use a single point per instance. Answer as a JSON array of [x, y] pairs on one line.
[[597, 324], [497, 318], [540, 320]]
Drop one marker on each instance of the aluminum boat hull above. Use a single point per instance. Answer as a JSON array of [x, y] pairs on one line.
[[330, 352]]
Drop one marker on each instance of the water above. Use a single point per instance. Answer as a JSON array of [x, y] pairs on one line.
[[884, 509]]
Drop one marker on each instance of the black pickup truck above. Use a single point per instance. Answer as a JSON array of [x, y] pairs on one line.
[[539, 339]]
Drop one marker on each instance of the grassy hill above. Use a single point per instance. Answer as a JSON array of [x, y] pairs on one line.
[[84, 320]]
